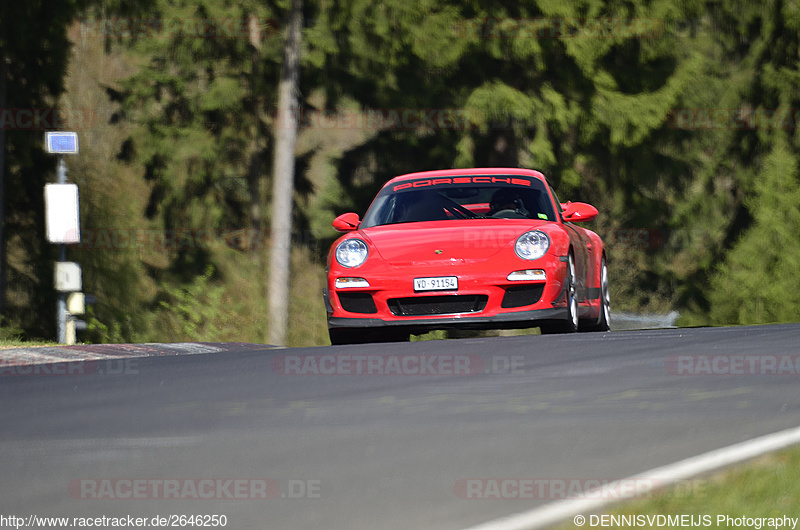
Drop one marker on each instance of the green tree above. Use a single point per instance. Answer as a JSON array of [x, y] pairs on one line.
[[201, 101], [745, 196], [754, 284], [198, 108], [34, 51]]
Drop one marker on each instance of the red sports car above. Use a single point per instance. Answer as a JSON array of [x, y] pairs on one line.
[[484, 248]]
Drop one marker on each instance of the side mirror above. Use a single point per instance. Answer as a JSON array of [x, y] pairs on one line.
[[347, 222], [579, 212]]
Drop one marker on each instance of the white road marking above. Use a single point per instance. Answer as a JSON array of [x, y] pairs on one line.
[[558, 512]]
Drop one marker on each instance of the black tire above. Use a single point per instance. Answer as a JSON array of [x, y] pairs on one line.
[[603, 322], [345, 336], [570, 324], [340, 336], [390, 335]]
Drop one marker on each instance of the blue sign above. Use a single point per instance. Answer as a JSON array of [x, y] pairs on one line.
[[61, 143]]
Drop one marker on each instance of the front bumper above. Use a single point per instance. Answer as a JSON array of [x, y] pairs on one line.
[[510, 320], [485, 298]]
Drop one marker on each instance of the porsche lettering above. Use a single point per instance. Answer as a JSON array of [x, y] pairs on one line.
[[462, 180]]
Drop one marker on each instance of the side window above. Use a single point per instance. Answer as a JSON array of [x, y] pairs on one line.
[[558, 203]]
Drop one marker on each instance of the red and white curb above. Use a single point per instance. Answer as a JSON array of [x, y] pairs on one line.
[[107, 352]]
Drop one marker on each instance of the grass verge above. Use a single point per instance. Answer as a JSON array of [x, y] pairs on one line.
[[8, 344], [766, 487]]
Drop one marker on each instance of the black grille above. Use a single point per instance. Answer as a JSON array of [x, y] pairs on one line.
[[357, 302], [520, 295], [437, 305]]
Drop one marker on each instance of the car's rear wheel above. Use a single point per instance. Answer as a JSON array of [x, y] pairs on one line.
[[603, 322], [570, 324]]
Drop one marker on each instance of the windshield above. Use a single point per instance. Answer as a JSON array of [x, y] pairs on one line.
[[467, 197]]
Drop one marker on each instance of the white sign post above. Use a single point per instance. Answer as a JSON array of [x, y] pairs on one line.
[[63, 224], [62, 213]]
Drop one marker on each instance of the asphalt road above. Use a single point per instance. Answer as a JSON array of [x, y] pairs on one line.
[[350, 449]]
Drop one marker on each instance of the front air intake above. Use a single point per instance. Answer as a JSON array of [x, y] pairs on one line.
[[437, 305]]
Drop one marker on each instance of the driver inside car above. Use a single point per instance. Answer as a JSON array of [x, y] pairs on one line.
[[507, 203]]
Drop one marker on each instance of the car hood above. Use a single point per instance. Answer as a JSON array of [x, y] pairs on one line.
[[439, 241]]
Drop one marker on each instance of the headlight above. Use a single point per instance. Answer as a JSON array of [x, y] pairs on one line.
[[351, 253], [532, 245]]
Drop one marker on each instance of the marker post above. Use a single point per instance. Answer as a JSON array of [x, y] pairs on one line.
[[63, 225]]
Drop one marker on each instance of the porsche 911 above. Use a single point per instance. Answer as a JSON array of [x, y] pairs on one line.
[[482, 248]]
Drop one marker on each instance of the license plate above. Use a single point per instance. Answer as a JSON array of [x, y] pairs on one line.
[[440, 283]]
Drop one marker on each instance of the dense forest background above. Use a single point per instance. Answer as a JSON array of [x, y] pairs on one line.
[[678, 120]]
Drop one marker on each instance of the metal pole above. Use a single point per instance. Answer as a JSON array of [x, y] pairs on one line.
[[61, 308]]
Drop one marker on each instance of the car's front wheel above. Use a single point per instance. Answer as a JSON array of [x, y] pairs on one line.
[[570, 324], [344, 336]]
